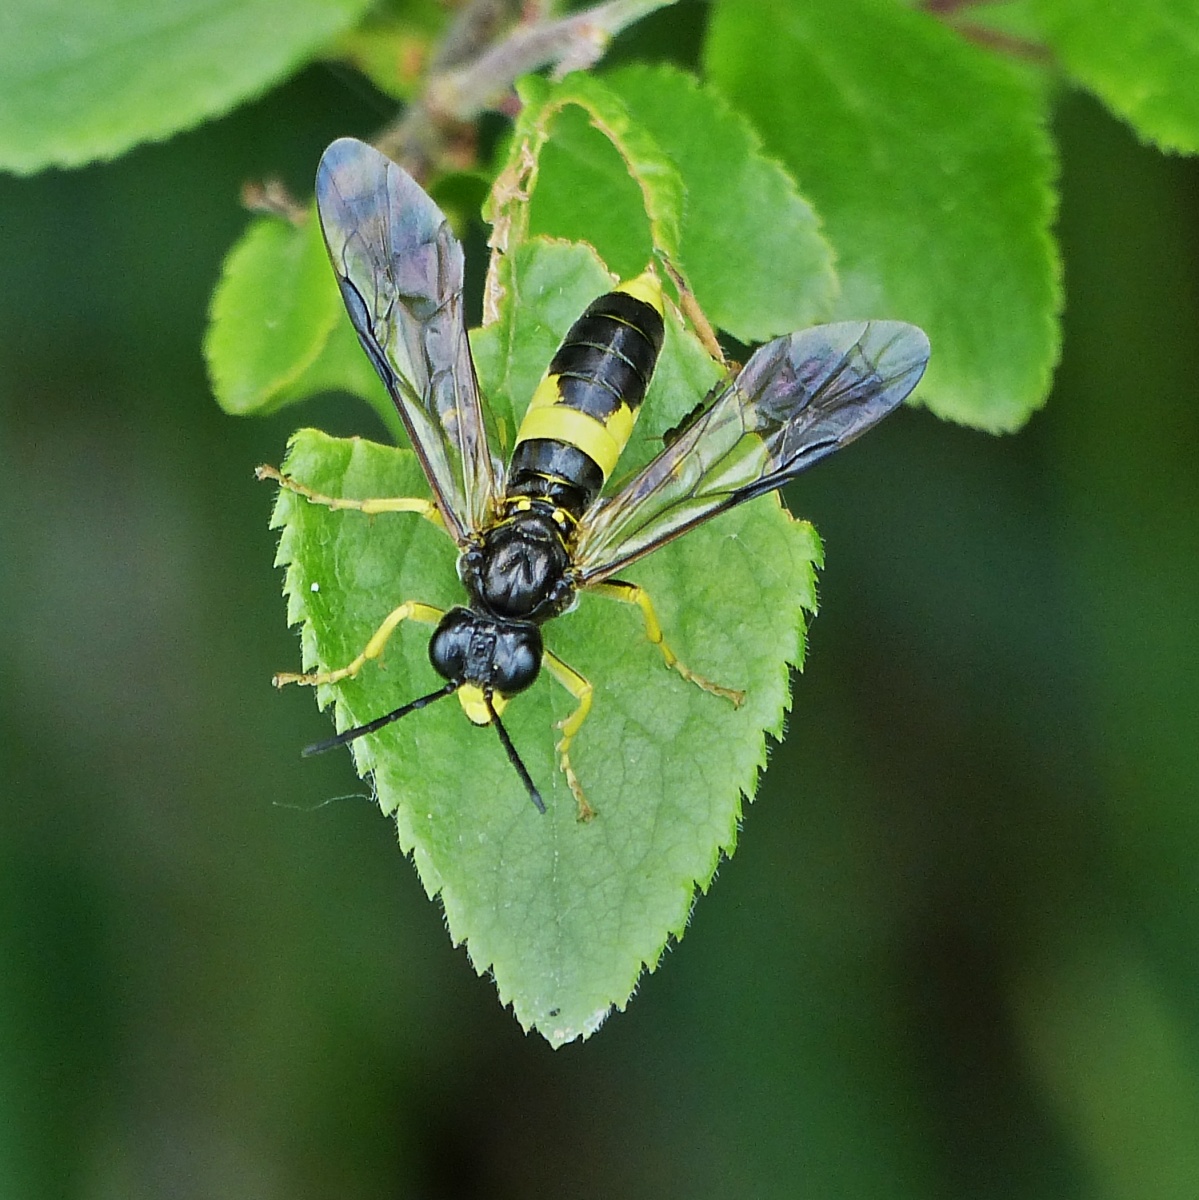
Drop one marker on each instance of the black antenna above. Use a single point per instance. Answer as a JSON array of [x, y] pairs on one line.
[[513, 757], [350, 734]]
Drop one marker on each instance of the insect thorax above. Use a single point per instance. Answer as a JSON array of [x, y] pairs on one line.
[[519, 570]]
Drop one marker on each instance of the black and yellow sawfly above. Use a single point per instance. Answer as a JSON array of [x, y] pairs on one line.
[[530, 544]]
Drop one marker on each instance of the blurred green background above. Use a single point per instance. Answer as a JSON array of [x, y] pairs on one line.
[[956, 954]]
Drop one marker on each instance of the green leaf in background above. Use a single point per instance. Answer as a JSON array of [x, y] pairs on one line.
[[928, 161], [751, 246], [272, 313], [586, 194], [565, 915], [1140, 59], [658, 206], [87, 80], [278, 331]]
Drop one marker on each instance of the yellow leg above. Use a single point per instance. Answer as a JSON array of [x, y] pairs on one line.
[[582, 691], [630, 593], [409, 610], [395, 504]]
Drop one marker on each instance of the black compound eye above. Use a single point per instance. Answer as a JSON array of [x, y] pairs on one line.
[[450, 644], [517, 659]]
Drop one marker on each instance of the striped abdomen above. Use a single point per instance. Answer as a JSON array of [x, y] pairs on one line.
[[583, 411]]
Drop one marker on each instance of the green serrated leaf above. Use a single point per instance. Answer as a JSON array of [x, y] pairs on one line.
[[750, 245], [87, 80], [1141, 60], [929, 163], [565, 915]]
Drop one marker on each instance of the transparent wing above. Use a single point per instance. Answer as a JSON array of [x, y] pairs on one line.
[[798, 399], [400, 271]]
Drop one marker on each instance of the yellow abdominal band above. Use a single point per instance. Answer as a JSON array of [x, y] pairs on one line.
[[547, 417]]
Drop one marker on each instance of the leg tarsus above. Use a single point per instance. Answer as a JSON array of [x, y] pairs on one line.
[[582, 690]]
